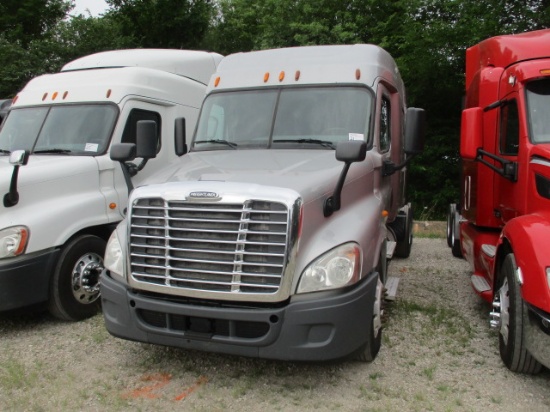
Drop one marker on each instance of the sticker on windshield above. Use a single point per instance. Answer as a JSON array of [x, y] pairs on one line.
[[356, 136], [91, 147]]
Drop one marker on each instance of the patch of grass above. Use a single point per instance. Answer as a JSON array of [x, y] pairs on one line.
[[14, 375]]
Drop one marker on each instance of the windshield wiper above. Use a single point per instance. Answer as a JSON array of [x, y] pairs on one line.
[[55, 151], [219, 141], [324, 143]]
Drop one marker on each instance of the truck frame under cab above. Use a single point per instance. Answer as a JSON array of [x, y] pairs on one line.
[[502, 223], [270, 238], [61, 195]]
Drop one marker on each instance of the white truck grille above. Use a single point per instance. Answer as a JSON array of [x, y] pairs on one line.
[[215, 247]]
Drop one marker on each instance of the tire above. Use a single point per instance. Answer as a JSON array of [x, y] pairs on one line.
[[453, 238], [404, 232], [74, 288], [368, 352], [508, 303], [450, 223]]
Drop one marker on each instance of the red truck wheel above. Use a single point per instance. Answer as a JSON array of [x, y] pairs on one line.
[[513, 313]]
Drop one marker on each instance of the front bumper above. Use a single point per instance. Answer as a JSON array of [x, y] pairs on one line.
[[24, 280], [312, 327], [537, 334]]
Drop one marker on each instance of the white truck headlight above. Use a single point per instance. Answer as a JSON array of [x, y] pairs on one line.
[[13, 241], [335, 269], [114, 259]]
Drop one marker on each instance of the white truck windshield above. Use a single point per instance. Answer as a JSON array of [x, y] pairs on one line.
[[305, 117], [538, 99], [71, 129]]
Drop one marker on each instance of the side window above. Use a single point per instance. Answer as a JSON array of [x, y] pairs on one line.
[[509, 128], [129, 134], [385, 125]]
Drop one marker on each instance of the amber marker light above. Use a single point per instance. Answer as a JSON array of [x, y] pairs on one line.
[[385, 213], [112, 206], [545, 71], [15, 99], [54, 95], [357, 74], [108, 93], [217, 81], [266, 77], [44, 96], [297, 75], [281, 76], [65, 95]]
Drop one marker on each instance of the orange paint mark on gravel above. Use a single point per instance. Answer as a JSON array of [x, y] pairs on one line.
[[201, 381], [157, 381]]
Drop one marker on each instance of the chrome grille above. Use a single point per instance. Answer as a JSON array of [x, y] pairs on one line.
[[209, 246]]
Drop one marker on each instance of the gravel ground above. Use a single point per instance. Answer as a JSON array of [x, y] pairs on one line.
[[438, 353]]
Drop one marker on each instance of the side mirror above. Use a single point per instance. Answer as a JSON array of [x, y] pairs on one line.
[[123, 152], [146, 139], [350, 151], [19, 157], [415, 130], [180, 137], [471, 131]]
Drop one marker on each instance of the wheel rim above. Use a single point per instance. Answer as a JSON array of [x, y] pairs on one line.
[[85, 278], [377, 311], [501, 305]]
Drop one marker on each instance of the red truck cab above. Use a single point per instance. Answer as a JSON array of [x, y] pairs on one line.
[[501, 225]]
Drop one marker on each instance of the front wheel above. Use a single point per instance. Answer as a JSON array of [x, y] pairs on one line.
[[508, 303], [368, 352], [74, 289]]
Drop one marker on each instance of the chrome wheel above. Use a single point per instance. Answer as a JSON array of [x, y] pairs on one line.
[[85, 278]]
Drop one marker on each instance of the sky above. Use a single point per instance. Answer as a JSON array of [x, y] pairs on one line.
[[96, 7]]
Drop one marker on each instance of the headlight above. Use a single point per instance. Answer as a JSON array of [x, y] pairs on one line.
[[114, 259], [335, 269], [13, 241]]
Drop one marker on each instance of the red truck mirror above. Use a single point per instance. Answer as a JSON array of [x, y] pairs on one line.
[[471, 132]]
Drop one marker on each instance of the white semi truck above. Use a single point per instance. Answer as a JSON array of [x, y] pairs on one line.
[[61, 195], [270, 238]]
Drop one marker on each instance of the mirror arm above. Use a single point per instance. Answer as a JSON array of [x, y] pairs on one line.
[[390, 168], [12, 197], [332, 203]]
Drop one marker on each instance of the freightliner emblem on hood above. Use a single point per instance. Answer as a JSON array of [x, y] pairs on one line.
[[203, 196]]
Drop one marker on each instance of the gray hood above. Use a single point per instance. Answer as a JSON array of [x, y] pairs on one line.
[[311, 176]]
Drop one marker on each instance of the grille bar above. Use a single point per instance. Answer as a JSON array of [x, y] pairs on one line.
[[213, 247]]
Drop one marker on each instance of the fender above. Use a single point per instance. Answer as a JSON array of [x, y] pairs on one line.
[[529, 235]]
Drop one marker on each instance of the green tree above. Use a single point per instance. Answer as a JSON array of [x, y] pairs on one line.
[[163, 23], [428, 38]]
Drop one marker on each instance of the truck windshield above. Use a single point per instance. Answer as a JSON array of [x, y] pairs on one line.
[[305, 117], [71, 129], [538, 99]]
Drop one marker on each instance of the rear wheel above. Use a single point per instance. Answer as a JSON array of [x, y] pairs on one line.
[[513, 313], [453, 238], [403, 228], [74, 290]]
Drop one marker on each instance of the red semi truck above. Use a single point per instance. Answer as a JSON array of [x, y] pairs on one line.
[[502, 223]]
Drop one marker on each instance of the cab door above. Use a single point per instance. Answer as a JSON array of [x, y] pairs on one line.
[[508, 199]]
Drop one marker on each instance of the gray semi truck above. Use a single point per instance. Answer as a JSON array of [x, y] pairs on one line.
[[271, 237]]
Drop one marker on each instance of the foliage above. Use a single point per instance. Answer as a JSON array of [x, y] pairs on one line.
[[179, 24], [428, 39]]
